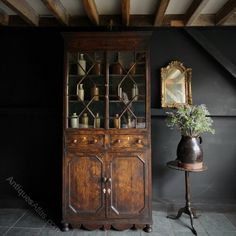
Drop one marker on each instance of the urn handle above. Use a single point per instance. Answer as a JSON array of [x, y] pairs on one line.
[[200, 139]]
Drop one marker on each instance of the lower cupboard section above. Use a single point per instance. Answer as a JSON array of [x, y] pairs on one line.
[[103, 190]]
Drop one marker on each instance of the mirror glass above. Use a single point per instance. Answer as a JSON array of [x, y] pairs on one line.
[[176, 87]]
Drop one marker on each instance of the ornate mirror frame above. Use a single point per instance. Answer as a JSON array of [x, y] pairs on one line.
[[176, 85]]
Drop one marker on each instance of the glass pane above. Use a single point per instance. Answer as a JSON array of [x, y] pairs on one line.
[[127, 89], [86, 90]]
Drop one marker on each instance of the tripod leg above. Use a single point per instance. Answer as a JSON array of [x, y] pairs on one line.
[[191, 220], [187, 197], [180, 212]]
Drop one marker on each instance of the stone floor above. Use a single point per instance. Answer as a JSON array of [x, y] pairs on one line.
[[213, 221]]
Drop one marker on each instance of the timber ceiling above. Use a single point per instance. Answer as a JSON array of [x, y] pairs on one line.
[[133, 13]]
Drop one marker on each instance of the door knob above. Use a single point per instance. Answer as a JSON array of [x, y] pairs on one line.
[[104, 179], [75, 141], [104, 190], [139, 141], [109, 191]]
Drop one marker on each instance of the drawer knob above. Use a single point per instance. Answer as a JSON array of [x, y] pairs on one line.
[[95, 140], [118, 141], [75, 141], [109, 191], [104, 190], [109, 180], [139, 141]]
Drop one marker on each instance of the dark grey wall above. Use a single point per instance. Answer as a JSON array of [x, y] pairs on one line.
[[211, 85], [31, 74]]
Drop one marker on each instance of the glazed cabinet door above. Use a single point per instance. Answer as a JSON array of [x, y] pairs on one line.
[[128, 185], [83, 185], [85, 90]]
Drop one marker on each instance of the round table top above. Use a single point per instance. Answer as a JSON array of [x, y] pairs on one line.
[[174, 165]]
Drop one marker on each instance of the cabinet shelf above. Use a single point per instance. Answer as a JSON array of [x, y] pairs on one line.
[[85, 101], [119, 101], [137, 63], [87, 76], [74, 96], [118, 76]]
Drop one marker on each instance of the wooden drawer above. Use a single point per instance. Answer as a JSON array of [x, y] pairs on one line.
[[130, 142], [84, 141]]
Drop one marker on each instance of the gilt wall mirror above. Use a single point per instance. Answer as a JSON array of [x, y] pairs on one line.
[[175, 85]]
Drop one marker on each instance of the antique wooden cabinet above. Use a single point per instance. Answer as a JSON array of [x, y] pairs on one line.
[[107, 147]]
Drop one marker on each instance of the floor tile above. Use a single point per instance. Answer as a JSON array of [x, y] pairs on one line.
[[30, 220], [160, 221], [3, 230], [53, 232], [231, 217], [181, 233], [183, 224], [124, 233], [26, 223], [217, 233], [160, 232], [9, 216], [88, 233], [23, 232], [216, 222]]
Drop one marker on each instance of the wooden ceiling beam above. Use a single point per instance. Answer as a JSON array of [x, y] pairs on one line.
[[194, 11], [58, 10], [24, 10], [172, 20], [4, 18], [91, 10], [125, 10], [225, 12], [160, 12]]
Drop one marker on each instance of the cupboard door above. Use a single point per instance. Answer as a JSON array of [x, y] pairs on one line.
[[83, 183], [128, 195]]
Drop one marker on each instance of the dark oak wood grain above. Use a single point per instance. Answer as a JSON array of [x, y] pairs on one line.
[[194, 11], [4, 18], [24, 10], [107, 172], [58, 10], [125, 11], [225, 12], [91, 10], [160, 12]]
